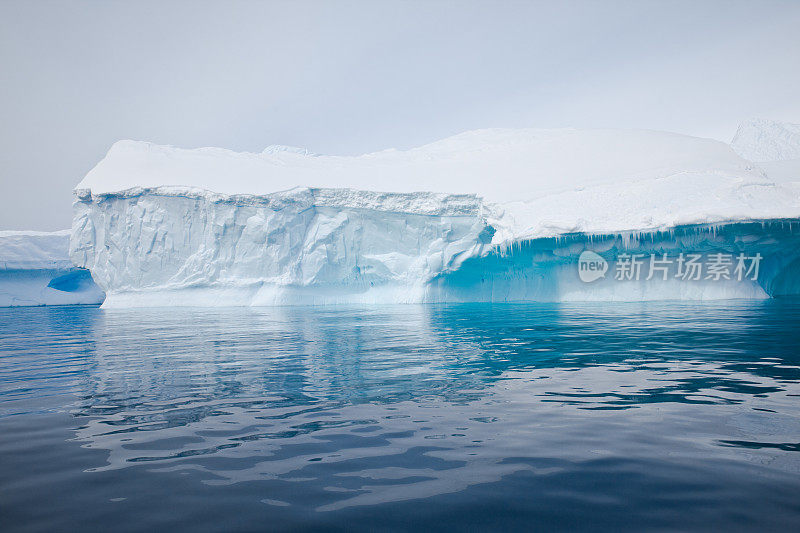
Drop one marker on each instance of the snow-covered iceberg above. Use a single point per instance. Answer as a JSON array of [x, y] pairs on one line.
[[35, 269], [493, 215], [775, 146], [767, 140]]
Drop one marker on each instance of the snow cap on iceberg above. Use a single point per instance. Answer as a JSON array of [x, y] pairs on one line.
[[497, 164], [533, 182]]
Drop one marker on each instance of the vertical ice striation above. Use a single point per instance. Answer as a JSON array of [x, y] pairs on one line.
[[302, 246]]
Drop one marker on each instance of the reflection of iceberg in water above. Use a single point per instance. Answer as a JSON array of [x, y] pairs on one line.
[[402, 402]]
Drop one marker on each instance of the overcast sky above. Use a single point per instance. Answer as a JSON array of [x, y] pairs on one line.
[[351, 77]]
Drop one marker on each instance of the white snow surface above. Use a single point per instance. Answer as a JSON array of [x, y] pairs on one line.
[[767, 140], [533, 182], [786, 171]]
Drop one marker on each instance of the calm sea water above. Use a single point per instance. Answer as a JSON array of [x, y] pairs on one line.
[[657, 416]]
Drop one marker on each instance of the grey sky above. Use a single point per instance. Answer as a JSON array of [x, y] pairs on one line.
[[352, 77]]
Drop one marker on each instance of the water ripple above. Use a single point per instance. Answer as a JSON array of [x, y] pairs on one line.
[[344, 408]]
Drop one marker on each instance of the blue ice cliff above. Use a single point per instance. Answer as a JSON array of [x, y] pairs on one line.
[[489, 215]]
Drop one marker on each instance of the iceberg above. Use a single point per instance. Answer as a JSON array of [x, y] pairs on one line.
[[35, 269], [488, 215], [775, 146], [767, 140]]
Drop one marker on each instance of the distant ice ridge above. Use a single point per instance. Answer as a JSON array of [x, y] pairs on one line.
[[767, 140], [35, 269], [775, 146], [159, 225]]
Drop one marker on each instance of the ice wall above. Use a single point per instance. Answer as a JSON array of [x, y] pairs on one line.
[[757, 259], [317, 246], [35, 269], [184, 247]]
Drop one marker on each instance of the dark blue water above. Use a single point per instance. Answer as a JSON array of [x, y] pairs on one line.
[[664, 416]]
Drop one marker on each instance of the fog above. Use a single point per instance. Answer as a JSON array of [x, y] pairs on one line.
[[354, 77]]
